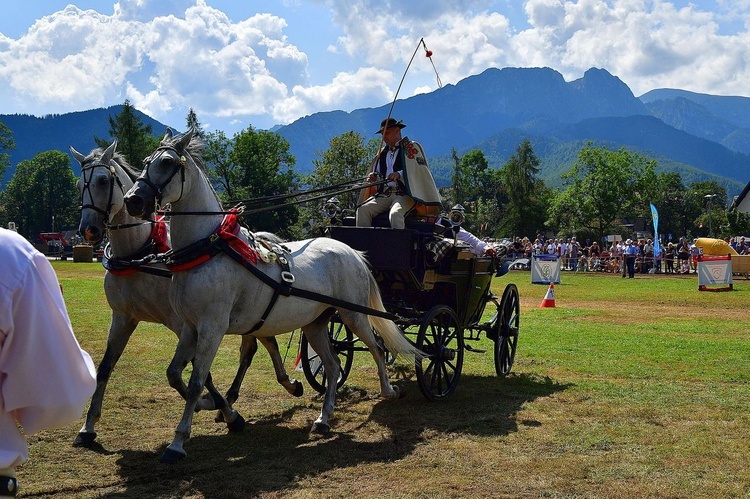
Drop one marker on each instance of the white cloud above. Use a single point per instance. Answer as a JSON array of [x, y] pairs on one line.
[[168, 56], [346, 91]]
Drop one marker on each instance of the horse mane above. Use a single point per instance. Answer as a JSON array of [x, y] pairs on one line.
[[118, 158]]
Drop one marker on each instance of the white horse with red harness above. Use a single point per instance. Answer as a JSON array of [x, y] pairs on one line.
[[136, 291], [218, 297]]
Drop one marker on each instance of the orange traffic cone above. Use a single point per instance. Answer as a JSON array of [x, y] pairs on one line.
[[549, 298]]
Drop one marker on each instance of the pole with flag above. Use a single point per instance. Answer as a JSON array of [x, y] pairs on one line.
[[657, 249]]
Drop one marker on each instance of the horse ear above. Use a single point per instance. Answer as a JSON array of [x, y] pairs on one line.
[[77, 155], [109, 152], [183, 139], [168, 134]]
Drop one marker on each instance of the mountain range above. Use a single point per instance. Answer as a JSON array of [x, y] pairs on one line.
[[704, 137]]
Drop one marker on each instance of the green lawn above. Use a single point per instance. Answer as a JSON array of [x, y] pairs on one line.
[[627, 388]]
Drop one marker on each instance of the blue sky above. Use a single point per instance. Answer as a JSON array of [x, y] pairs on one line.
[[261, 63]]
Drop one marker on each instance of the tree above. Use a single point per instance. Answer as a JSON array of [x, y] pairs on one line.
[[42, 194], [604, 190], [192, 121], [6, 145], [134, 139], [254, 164], [347, 158], [524, 210], [223, 173]]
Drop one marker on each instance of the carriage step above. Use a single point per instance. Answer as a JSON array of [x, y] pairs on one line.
[[475, 350]]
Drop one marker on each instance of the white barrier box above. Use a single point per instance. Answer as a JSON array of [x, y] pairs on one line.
[[545, 269], [714, 271]]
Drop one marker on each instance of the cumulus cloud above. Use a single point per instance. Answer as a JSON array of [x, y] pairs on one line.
[[169, 55]]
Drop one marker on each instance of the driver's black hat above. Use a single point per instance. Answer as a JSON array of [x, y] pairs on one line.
[[391, 122]]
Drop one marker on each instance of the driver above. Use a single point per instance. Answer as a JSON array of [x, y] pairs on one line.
[[402, 162]]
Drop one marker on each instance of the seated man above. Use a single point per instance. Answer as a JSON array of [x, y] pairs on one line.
[[403, 163], [451, 229]]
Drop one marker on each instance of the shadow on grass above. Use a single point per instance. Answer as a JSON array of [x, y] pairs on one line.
[[268, 457]]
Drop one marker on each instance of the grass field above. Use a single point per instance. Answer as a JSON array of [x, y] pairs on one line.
[[627, 388]]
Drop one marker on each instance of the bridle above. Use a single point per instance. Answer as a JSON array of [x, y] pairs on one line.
[[113, 179], [156, 189]]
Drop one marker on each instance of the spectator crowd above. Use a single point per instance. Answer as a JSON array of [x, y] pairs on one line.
[[679, 257]]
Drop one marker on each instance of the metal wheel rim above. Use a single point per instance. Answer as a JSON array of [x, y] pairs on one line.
[[342, 339], [441, 337], [507, 340]]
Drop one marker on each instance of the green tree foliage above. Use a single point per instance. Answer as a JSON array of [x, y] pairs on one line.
[[6, 145], [192, 121], [347, 158], [134, 139], [525, 195], [224, 174], [605, 188], [253, 164], [42, 189]]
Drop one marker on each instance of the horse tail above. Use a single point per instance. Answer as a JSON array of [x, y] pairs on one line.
[[394, 339]]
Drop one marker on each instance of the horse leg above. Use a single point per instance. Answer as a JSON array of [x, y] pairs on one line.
[[206, 346], [186, 346], [317, 336], [120, 330], [292, 386], [360, 326]]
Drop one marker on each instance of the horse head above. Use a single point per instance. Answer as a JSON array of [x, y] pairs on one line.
[[155, 184], [101, 188]]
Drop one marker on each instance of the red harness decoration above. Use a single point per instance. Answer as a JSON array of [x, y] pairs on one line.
[[159, 238], [159, 235], [227, 232]]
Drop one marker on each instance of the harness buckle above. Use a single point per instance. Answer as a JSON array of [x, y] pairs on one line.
[[287, 277]]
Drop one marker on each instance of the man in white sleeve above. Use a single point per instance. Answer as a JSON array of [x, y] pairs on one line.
[[45, 377]]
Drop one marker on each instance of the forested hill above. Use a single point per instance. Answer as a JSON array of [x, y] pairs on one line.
[[704, 137], [56, 132]]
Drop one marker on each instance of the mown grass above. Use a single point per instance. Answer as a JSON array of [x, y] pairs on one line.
[[627, 388]]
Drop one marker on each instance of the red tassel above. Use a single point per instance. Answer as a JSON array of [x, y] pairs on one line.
[[428, 53]]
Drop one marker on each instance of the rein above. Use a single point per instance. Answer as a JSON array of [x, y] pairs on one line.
[[224, 240]]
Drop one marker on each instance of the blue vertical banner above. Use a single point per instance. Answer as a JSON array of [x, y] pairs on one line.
[[655, 216]]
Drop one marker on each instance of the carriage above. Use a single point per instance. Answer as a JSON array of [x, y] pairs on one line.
[[436, 290]]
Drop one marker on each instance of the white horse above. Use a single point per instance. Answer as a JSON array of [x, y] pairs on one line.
[[140, 295], [220, 297]]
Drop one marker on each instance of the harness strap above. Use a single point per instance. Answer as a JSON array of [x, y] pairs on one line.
[[286, 289]]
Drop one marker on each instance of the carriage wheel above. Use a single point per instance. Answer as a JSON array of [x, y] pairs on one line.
[[342, 341], [507, 337], [442, 339]]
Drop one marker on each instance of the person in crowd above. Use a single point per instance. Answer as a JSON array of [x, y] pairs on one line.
[[695, 252], [537, 247], [564, 253], [631, 254], [595, 254], [742, 247], [574, 252], [403, 164], [683, 256], [45, 377], [669, 259]]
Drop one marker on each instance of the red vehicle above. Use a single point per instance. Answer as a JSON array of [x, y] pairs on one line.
[[57, 245]]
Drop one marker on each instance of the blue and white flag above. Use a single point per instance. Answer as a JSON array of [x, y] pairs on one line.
[[655, 216]]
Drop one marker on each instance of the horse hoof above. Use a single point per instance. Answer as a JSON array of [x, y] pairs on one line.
[[299, 389], [84, 439], [320, 428], [238, 425], [171, 456]]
